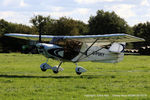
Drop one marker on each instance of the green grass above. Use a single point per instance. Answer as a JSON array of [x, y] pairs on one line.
[[22, 79]]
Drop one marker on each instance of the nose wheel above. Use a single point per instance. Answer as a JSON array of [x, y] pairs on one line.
[[78, 71], [45, 66], [55, 69]]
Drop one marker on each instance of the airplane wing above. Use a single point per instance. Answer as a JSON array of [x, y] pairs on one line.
[[29, 36], [107, 38]]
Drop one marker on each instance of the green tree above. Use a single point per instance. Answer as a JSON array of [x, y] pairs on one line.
[[66, 26], [62, 26], [40, 22], [69, 26], [107, 23], [19, 28], [142, 30], [83, 28], [3, 27], [12, 44]]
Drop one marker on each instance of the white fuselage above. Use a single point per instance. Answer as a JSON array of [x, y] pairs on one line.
[[95, 54]]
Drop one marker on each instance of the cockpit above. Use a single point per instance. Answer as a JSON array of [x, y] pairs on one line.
[[71, 47]]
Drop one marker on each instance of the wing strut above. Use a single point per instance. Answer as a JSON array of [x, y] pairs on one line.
[[93, 52], [90, 47], [85, 53]]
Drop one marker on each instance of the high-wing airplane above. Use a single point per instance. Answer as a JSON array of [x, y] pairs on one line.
[[107, 48]]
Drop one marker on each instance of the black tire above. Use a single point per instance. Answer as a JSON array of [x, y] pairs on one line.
[[43, 69], [55, 72], [79, 73]]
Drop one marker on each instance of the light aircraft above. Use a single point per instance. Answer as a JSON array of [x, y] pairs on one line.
[[108, 48]]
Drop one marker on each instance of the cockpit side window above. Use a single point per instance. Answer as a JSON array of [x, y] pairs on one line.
[[58, 41], [71, 47]]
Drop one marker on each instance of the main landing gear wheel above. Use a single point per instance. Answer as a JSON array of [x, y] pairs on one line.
[[55, 69], [79, 70], [58, 68], [55, 72], [78, 73]]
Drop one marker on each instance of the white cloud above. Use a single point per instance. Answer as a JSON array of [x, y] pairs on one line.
[[82, 14], [56, 8], [23, 4], [15, 3], [52, 8], [93, 1], [6, 2], [123, 10], [146, 16], [78, 14], [145, 3], [16, 17], [6, 14], [81, 11], [78, 11]]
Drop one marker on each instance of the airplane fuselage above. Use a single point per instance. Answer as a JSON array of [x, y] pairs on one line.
[[95, 53]]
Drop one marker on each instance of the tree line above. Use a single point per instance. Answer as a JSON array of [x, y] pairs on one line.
[[103, 22]]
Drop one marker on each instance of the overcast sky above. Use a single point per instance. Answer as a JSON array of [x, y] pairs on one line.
[[20, 11]]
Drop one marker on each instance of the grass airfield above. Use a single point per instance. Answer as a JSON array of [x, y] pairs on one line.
[[22, 79]]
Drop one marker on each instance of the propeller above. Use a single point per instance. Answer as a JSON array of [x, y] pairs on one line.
[[39, 43], [40, 33]]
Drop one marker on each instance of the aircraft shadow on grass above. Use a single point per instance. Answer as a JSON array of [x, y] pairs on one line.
[[57, 77]]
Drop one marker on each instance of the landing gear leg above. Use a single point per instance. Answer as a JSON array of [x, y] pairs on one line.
[[47, 60], [56, 69]]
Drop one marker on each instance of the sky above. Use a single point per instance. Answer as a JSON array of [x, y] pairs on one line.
[[21, 11]]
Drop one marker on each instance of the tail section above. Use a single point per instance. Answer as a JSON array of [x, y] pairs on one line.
[[117, 47], [114, 54]]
